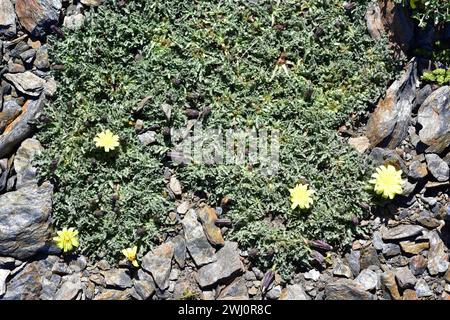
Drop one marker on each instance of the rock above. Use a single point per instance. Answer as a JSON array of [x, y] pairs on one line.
[[147, 137], [3, 276], [50, 87], [437, 257], [313, 275], [402, 231], [36, 16], [21, 127], [50, 287], [392, 116], [368, 279], [377, 241], [405, 278], [174, 274], [183, 207], [103, 265], [294, 292], [422, 95], [68, 291], [434, 117], [447, 276], [353, 261], [438, 167], [389, 285], [361, 144], [374, 21], [425, 219], [61, 268], [413, 247], [7, 19], [78, 264], [167, 109], [345, 289], [398, 22], [422, 289], [41, 61], [27, 83], [196, 242], [341, 269], [235, 291], [26, 173], [409, 294], [391, 250], [227, 265], [11, 111], [418, 265], [28, 56], [272, 294], [175, 186], [91, 3], [7, 263], [26, 285], [397, 261], [114, 295], [159, 264], [25, 220], [144, 289], [417, 170], [117, 278], [208, 217], [179, 250], [74, 21], [249, 276], [369, 258]]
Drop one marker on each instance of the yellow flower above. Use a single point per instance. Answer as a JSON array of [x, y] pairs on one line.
[[67, 239], [130, 254], [388, 181], [301, 196], [107, 140]]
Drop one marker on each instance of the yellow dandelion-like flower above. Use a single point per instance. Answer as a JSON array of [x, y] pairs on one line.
[[387, 181], [130, 254], [67, 239], [301, 196], [107, 140]]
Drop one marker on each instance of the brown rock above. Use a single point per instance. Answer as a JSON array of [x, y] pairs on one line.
[[114, 295], [410, 294], [413, 247], [361, 144], [36, 16], [208, 217], [389, 285], [418, 264], [345, 289], [20, 128], [447, 276]]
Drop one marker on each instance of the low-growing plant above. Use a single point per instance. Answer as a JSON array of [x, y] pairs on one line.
[[439, 76], [303, 68]]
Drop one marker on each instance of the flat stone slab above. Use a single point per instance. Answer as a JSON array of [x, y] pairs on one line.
[[403, 231], [228, 264], [196, 241]]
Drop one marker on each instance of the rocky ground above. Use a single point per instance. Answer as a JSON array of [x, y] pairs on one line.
[[406, 256]]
